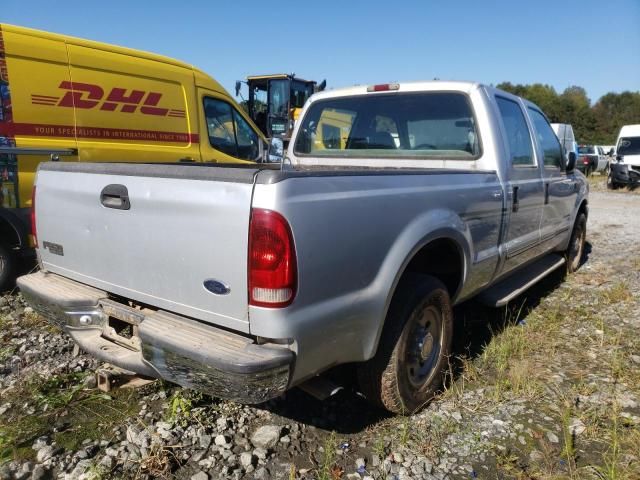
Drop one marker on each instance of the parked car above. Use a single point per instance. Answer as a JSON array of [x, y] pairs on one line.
[[247, 281], [626, 169], [591, 158], [87, 101], [609, 150]]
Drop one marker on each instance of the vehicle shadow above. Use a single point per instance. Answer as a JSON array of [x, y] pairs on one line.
[[348, 412]]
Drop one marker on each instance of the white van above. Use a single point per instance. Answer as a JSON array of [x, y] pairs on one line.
[[628, 146], [564, 132], [626, 169]]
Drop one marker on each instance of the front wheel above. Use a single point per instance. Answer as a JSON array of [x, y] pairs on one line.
[[575, 251], [409, 366], [611, 185]]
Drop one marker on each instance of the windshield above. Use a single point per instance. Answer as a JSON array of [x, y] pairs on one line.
[[427, 125], [629, 146], [278, 97], [299, 93], [586, 150]]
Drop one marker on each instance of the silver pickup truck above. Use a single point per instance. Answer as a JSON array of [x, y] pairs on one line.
[[394, 203]]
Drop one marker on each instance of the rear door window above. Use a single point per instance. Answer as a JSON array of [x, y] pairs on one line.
[[547, 139], [518, 135]]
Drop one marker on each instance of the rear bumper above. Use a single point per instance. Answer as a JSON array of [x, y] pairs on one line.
[[161, 344]]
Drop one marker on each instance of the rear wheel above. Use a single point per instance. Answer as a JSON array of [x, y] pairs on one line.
[[576, 244], [8, 263], [611, 185], [409, 366]]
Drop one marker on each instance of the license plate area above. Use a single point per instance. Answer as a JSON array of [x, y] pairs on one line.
[[122, 324]]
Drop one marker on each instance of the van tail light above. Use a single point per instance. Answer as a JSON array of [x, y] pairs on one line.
[[272, 260], [32, 217]]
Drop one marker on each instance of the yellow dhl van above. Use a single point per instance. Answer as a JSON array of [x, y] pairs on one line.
[[81, 100]]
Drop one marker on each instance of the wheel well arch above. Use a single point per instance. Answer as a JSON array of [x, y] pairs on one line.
[[584, 208], [442, 258], [9, 233]]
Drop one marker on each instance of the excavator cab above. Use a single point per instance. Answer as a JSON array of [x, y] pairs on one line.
[[275, 101]]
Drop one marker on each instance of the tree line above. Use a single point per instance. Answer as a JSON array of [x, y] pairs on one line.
[[597, 124]]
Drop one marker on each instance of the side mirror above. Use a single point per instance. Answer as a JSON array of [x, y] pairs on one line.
[[571, 162], [322, 86], [619, 158], [238, 86], [610, 153], [275, 153]]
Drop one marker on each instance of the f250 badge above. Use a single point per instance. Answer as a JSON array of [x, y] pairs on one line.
[[54, 248], [89, 96]]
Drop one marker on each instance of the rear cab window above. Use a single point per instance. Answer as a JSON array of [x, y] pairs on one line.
[[404, 125], [586, 150]]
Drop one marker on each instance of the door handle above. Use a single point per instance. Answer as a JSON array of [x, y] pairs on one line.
[[516, 201], [115, 196], [546, 193]]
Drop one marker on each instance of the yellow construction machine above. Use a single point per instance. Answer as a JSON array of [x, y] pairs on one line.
[[275, 101]]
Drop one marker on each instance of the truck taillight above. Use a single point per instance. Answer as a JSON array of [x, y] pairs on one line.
[[383, 87], [585, 160], [32, 217], [272, 260]]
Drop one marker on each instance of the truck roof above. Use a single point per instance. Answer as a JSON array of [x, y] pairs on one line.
[[434, 85]]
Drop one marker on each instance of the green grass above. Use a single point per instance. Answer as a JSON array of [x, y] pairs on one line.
[[61, 398], [328, 470]]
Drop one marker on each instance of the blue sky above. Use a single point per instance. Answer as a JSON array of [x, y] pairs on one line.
[[591, 43]]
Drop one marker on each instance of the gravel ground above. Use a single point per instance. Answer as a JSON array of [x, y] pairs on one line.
[[547, 388]]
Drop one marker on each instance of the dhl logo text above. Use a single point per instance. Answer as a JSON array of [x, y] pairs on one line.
[[88, 96]]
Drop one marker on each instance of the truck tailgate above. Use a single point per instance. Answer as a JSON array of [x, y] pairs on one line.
[[184, 225]]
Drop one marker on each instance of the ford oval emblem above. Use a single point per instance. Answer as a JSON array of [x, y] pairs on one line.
[[216, 287]]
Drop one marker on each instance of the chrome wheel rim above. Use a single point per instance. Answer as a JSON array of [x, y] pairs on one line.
[[425, 345]]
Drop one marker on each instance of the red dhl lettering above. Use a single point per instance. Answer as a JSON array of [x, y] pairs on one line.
[[88, 96]]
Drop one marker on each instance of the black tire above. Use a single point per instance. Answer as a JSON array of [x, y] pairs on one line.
[[575, 251], [611, 185], [8, 267], [412, 358]]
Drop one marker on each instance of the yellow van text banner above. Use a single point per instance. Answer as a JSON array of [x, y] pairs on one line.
[[70, 131]]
